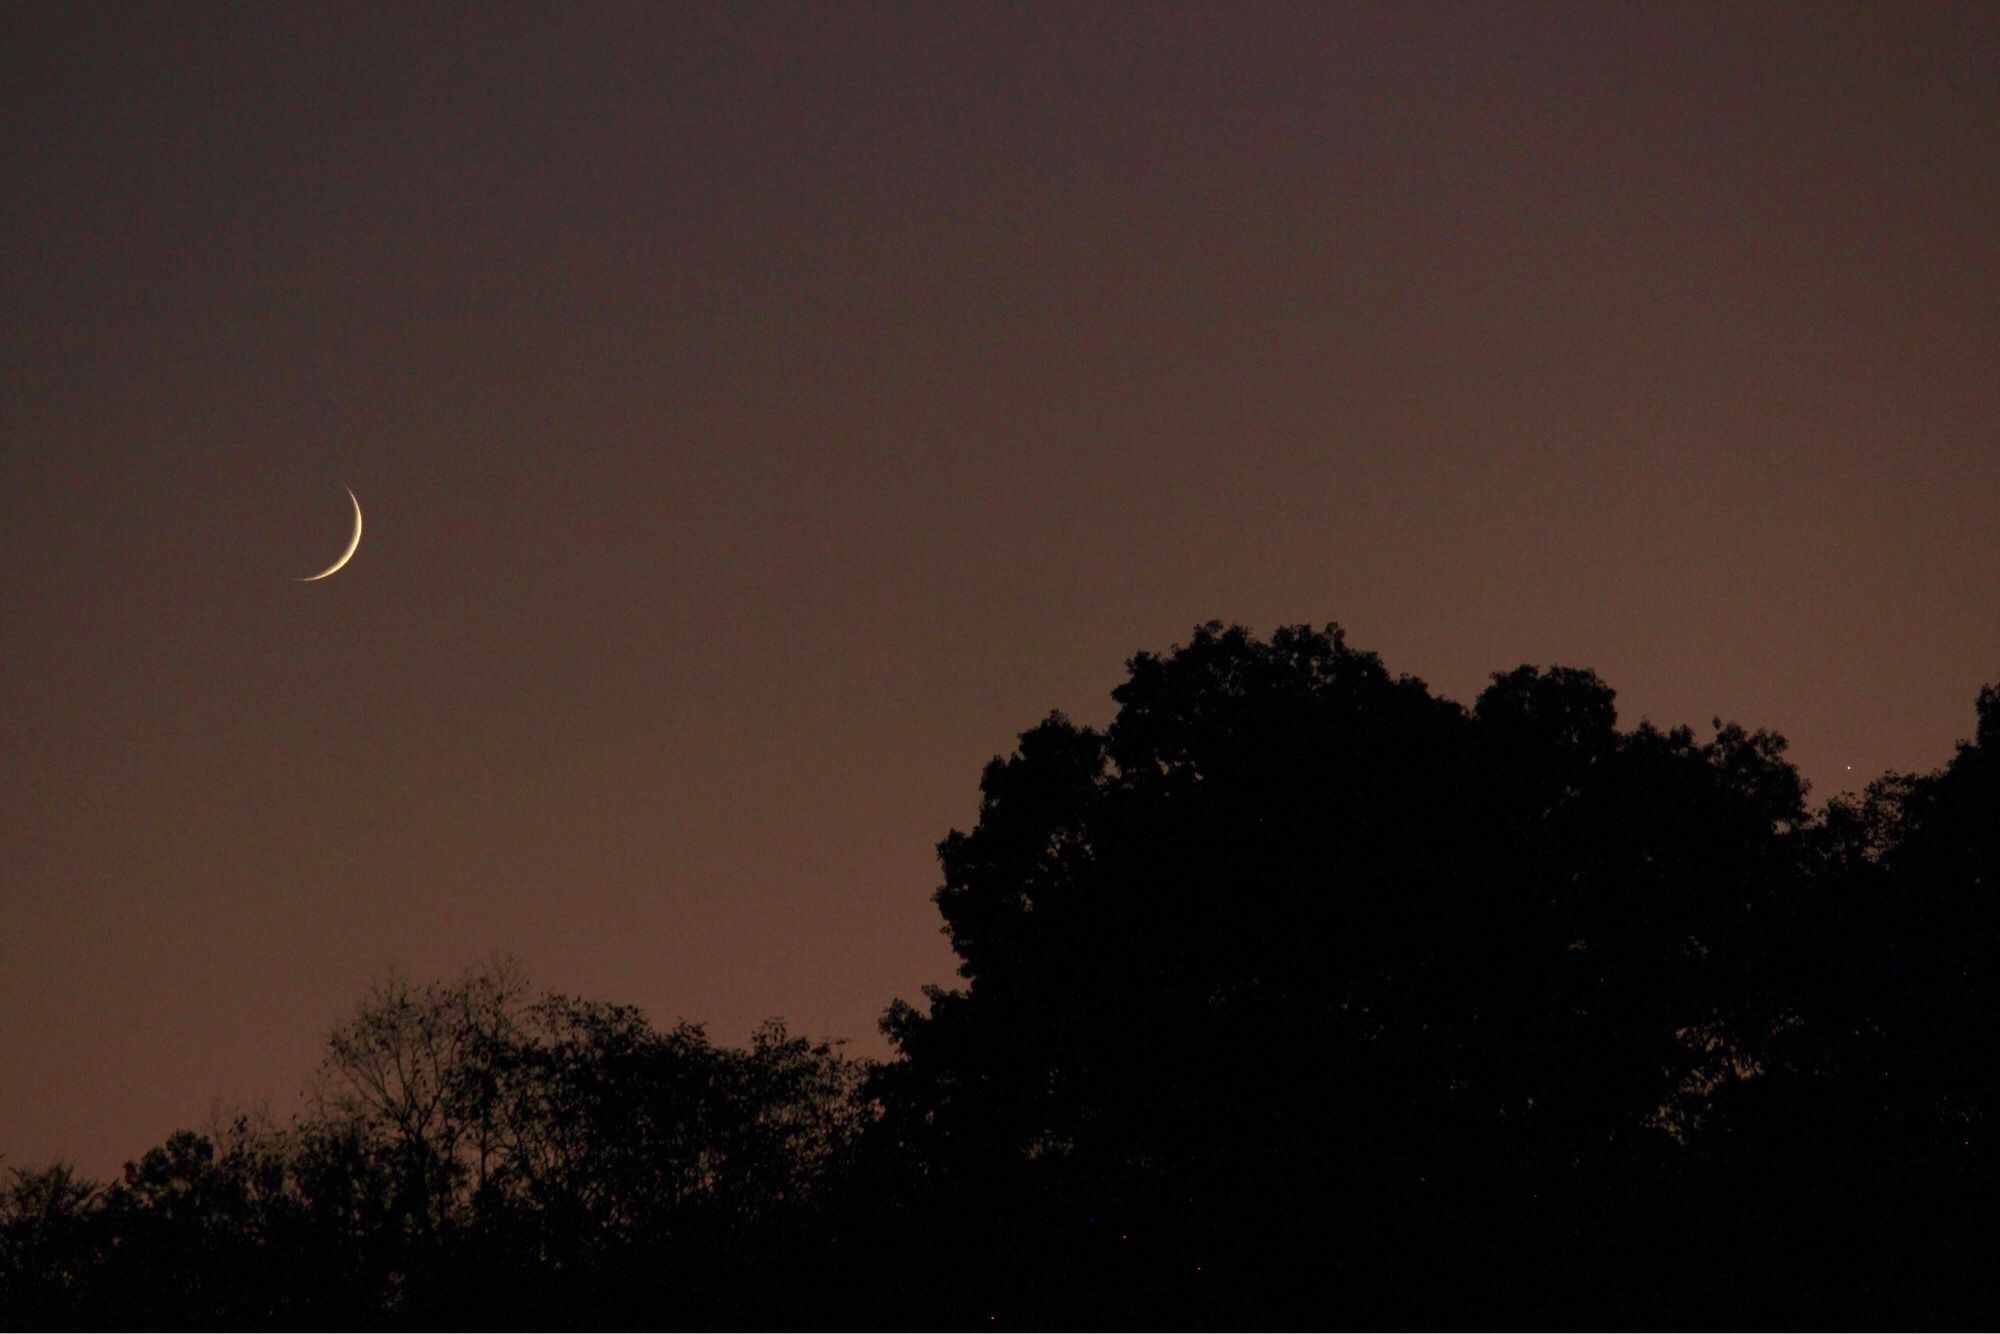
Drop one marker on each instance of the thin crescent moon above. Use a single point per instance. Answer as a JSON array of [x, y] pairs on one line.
[[353, 544]]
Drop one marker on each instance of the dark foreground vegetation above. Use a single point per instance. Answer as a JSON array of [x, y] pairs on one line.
[[1298, 997]]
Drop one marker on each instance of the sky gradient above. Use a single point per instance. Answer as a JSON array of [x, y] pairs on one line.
[[762, 414]]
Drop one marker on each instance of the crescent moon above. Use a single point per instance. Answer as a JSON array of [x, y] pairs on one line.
[[353, 544]]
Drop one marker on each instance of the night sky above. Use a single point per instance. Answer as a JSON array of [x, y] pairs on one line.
[[763, 413]]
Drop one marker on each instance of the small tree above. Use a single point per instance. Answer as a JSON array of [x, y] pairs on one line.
[[47, 1244], [421, 1071]]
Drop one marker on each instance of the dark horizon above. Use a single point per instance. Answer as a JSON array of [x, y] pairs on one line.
[[761, 417]]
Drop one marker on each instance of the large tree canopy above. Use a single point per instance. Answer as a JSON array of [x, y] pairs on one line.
[[1298, 971]]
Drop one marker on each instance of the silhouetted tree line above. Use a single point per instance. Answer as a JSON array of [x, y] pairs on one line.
[[1299, 996]]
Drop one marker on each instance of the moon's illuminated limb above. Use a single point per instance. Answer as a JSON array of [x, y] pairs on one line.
[[353, 544]]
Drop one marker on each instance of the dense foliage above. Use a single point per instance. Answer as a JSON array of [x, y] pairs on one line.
[[1297, 996]]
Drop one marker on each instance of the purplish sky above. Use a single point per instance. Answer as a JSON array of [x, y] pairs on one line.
[[761, 413]]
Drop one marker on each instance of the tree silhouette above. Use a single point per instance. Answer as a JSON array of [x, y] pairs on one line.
[[471, 1156], [47, 1245], [1300, 974], [1296, 995], [1868, 1136]]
